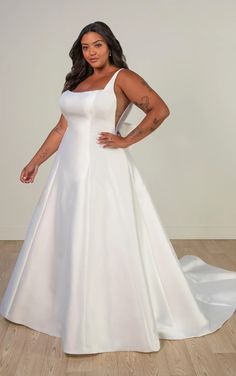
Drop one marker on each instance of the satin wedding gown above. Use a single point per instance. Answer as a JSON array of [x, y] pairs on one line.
[[96, 267]]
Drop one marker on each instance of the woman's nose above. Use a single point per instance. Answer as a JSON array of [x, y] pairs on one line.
[[92, 51]]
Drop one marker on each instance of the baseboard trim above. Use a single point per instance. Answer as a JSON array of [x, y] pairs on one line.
[[173, 232]]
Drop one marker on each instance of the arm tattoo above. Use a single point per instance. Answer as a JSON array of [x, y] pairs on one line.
[[155, 124], [142, 130], [44, 153], [136, 132], [144, 105]]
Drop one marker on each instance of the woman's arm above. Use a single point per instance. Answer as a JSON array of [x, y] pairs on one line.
[[51, 143], [143, 96], [49, 147]]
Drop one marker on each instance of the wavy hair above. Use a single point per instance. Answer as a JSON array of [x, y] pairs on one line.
[[80, 68]]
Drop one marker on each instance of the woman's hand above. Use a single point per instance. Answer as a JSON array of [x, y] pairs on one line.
[[28, 173], [111, 140]]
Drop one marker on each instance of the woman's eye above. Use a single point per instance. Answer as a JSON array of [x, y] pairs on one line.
[[96, 45]]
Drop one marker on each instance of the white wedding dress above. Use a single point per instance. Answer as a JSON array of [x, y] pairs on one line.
[[96, 267]]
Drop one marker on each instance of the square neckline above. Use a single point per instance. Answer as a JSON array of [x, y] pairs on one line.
[[88, 91]]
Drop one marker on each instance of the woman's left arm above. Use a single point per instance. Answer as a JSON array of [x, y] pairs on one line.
[[142, 95]]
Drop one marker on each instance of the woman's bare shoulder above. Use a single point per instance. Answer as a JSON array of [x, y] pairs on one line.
[[129, 77]]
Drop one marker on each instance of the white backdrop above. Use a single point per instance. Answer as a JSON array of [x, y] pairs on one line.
[[184, 49]]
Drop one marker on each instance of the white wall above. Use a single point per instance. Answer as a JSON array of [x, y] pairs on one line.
[[184, 49]]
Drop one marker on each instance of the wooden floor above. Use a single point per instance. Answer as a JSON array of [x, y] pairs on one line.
[[25, 352]]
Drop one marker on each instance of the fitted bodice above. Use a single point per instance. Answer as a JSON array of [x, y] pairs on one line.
[[93, 110], [88, 113]]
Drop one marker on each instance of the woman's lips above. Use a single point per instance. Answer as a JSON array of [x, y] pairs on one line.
[[93, 60]]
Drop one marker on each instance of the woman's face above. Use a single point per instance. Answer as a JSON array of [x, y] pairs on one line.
[[95, 49]]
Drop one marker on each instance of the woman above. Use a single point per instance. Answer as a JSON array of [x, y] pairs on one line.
[[96, 267]]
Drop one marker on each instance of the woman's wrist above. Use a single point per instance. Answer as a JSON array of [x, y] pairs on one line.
[[34, 162], [127, 142]]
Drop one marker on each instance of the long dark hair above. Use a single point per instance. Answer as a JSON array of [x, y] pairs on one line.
[[80, 68]]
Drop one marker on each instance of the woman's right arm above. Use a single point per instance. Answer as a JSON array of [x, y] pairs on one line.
[[48, 148]]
